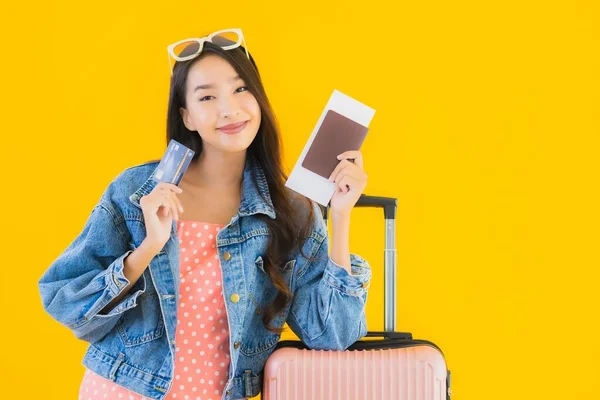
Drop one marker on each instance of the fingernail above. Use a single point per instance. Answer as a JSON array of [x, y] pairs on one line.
[[340, 156]]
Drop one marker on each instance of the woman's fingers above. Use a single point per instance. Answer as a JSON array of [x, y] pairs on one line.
[[165, 195], [339, 168], [355, 155], [351, 170], [177, 202], [162, 208], [172, 205], [178, 206], [168, 186], [349, 159], [170, 191], [347, 183]]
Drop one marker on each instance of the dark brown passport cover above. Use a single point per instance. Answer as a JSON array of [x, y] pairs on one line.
[[336, 135]]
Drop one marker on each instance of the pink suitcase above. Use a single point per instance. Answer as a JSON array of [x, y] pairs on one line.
[[394, 367]]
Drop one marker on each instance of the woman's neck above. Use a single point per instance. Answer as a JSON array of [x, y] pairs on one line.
[[217, 170]]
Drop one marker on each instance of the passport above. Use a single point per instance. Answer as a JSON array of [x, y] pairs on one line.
[[336, 135]]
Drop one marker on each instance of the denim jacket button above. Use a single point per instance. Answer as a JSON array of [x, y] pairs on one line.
[[236, 345], [235, 298], [227, 256], [228, 392]]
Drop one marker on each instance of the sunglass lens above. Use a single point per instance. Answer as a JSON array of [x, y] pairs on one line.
[[186, 48], [226, 39]]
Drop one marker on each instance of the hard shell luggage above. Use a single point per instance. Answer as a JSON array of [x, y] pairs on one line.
[[393, 367]]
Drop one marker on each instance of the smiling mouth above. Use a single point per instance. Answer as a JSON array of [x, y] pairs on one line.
[[233, 128]]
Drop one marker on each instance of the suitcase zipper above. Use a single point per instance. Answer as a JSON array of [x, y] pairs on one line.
[[370, 344]]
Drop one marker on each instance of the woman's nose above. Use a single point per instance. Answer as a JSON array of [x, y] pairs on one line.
[[229, 107]]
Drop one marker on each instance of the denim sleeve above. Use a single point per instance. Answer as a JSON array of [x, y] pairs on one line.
[[87, 276], [328, 307]]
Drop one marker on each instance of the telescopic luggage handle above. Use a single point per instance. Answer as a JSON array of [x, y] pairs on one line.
[[389, 205]]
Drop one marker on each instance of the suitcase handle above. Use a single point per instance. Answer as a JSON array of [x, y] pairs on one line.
[[389, 205]]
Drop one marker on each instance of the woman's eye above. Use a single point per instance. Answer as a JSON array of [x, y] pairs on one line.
[[238, 90]]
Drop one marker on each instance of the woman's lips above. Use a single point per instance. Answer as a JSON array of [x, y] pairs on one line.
[[233, 128]]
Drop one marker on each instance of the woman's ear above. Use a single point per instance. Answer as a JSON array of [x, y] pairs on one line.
[[187, 121]]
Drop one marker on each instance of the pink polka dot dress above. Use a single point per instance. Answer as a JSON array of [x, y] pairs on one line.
[[202, 337]]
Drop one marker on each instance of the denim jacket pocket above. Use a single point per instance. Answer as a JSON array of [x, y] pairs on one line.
[[268, 292], [142, 323], [262, 340], [286, 271], [259, 343]]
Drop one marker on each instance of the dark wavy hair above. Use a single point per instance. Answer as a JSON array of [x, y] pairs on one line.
[[288, 231]]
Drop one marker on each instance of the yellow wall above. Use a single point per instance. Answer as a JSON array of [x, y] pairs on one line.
[[486, 130]]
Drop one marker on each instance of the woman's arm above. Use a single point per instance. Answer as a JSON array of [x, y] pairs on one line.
[[328, 306], [133, 267], [351, 180], [89, 275], [340, 241]]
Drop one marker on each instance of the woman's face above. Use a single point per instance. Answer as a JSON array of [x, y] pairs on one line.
[[217, 97]]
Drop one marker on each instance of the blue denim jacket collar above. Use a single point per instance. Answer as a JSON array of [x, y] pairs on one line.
[[255, 197]]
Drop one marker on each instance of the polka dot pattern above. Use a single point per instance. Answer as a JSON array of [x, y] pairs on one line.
[[202, 335]]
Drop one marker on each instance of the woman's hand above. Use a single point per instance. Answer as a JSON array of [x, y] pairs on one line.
[[159, 208], [350, 179]]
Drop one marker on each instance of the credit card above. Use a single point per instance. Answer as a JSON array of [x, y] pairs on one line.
[[174, 163]]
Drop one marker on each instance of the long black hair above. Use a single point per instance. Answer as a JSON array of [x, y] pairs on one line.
[[287, 231]]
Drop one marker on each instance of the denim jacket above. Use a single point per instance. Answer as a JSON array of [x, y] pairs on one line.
[[133, 344]]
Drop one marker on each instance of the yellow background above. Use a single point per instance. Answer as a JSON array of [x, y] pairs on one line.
[[486, 130]]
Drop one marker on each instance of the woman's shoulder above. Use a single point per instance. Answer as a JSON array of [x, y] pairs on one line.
[[306, 210], [139, 172], [127, 182]]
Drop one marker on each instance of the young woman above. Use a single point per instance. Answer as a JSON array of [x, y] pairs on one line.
[[183, 291]]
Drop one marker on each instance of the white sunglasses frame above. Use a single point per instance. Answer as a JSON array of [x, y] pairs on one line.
[[171, 47]]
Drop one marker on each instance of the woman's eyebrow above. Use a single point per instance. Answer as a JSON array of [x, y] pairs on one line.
[[210, 85]]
